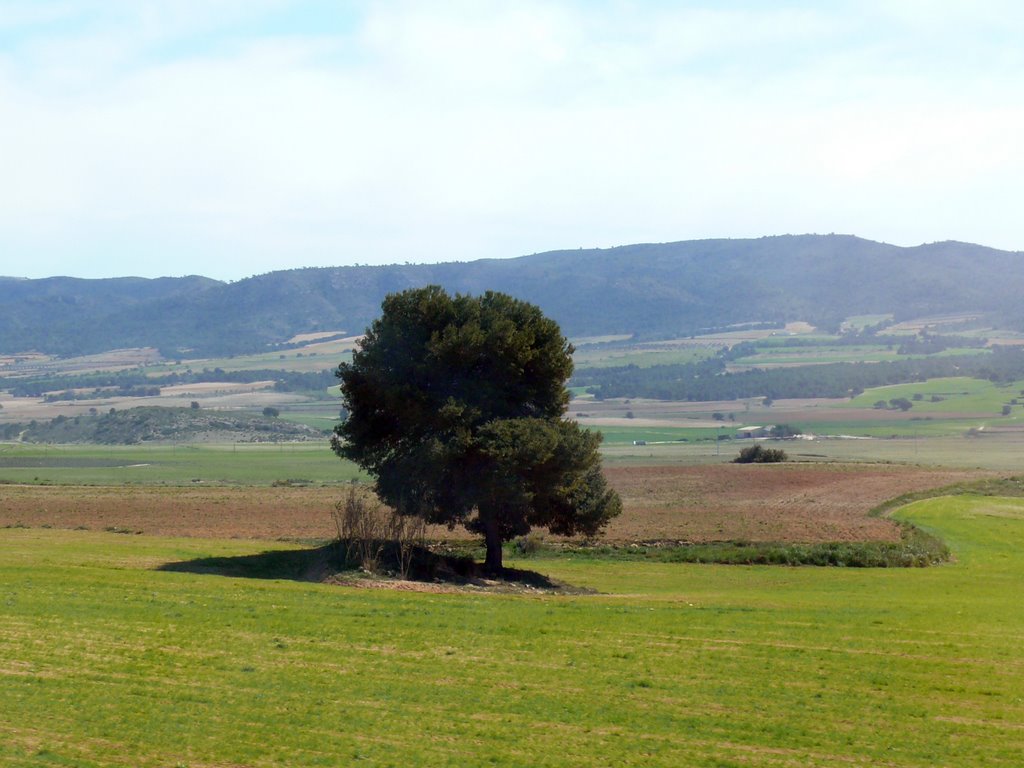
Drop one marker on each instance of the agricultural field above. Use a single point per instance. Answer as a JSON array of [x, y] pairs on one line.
[[989, 450], [798, 345], [770, 356], [603, 352], [176, 465], [805, 502], [644, 355], [957, 395], [172, 604], [131, 650], [312, 353]]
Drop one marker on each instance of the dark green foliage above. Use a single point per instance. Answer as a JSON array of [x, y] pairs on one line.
[[140, 382], [100, 394], [758, 454], [455, 407], [930, 344], [70, 316], [156, 424]]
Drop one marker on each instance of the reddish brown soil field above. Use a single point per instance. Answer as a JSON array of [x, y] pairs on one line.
[[222, 512], [788, 502], [765, 502]]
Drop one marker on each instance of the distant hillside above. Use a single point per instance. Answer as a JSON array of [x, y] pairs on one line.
[[653, 290], [156, 424], [68, 316]]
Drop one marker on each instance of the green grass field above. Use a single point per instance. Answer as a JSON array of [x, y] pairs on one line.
[[241, 464], [106, 661], [838, 354], [992, 451], [776, 354], [952, 395], [642, 355], [628, 435], [264, 464]]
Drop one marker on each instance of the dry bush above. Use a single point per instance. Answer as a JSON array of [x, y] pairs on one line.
[[369, 531], [408, 533], [360, 522]]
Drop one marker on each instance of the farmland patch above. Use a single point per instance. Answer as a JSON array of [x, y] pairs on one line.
[[109, 661], [808, 503]]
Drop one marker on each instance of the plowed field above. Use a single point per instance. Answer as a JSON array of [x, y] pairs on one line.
[[788, 502], [780, 502]]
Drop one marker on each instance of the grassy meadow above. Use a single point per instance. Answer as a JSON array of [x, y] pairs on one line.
[[950, 395], [241, 464], [107, 660], [248, 464]]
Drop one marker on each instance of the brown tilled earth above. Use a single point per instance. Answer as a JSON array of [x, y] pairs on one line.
[[765, 502], [788, 502]]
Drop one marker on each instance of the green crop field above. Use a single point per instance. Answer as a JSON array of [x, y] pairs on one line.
[[999, 452], [950, 395], [628, 435], [642, 355], [773, 354], [107, 661], [246, 464], [776, 354], [241, 464]]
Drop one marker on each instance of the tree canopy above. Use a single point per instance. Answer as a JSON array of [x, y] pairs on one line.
[[455, 406]]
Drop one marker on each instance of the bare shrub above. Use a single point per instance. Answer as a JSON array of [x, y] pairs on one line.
[[409, 533], [361, 524], [369, 530], [530, 544]]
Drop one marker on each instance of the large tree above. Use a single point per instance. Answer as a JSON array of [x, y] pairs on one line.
[[456, 406]]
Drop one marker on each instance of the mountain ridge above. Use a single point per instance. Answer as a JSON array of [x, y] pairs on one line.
[[651, 290]]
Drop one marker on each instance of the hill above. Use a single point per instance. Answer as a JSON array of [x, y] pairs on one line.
[[151, 424], [649, 290]]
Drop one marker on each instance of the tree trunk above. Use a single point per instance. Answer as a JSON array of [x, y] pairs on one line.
[[492, 539]]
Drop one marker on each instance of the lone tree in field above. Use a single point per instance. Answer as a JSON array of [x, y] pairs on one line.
[[455, 406]]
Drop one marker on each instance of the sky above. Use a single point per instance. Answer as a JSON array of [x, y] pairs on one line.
[[230, 138]]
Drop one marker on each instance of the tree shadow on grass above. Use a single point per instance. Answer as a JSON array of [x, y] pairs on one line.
[[286, 564], [328, 563]]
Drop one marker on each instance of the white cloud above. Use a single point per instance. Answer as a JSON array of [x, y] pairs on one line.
[[468, 130]]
